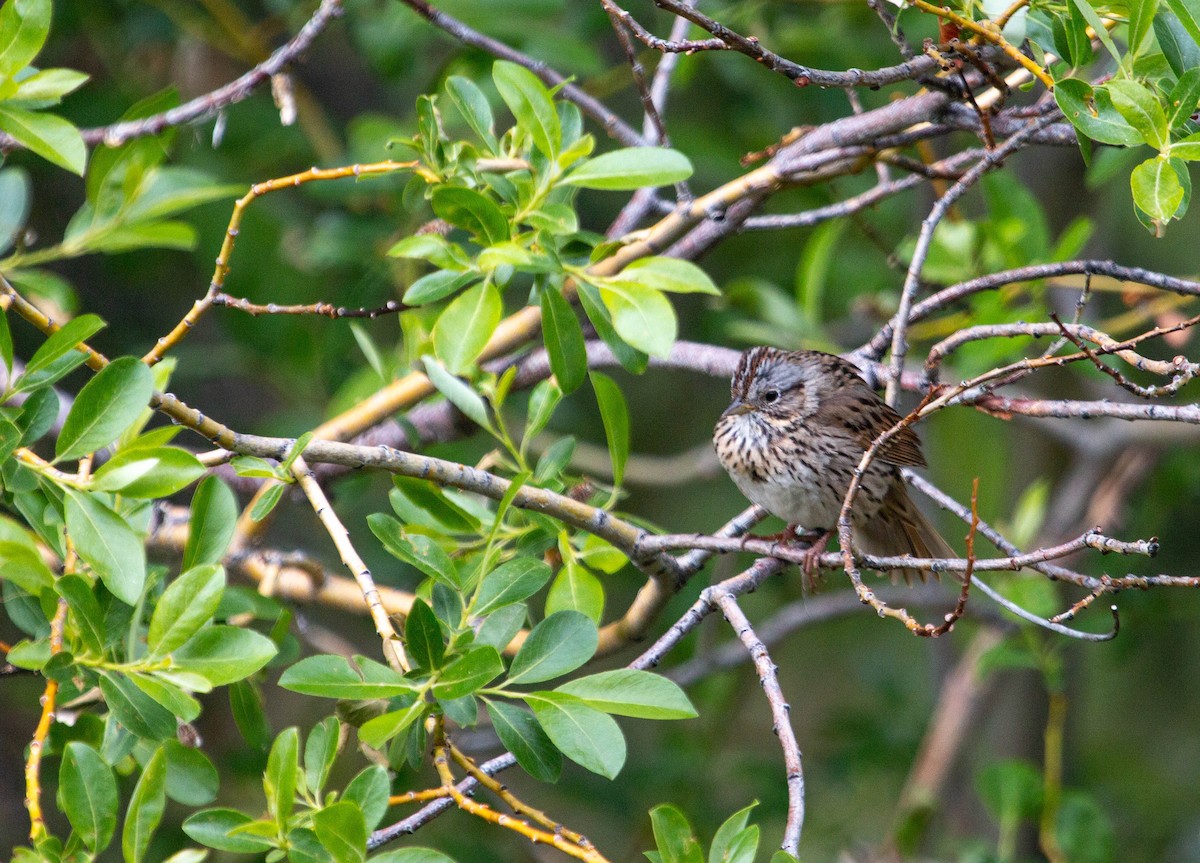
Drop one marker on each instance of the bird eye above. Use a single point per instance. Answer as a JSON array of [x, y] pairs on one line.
[[771, 396]]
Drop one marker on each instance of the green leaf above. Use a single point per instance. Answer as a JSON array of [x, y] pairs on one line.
[[186, 605], [554, 460], [1141, 109], [726, 843], [1156, 189], [531, 105], [1091, 112], [588, 737], [214, 828], [107, 544], [561, 643], [24, 567], [148, 472], [434, 248], [14, 212], [564, 341], [49, 85], [412, 855], [107, 405], [423, 637], [87, 795], [615, 416], [474, 107], [303, 846], [1141, 14], [521, 735], [1187, 148], [575, 588], [282, 774], [674, 836], [1184, 99], [145, 235], [24, 26], [419, 501], [168, 191], [593, 304], [370, 790], [172, 697], [223, 654], [641, 316], [320, 751], [543, 400], [1070, 37], [43, 367], [1180, 50], [457, 393], [38, 415], [1084, 830], [415, 549], [511, 582], [1188, 13], [10, 439], [213, 519], [674, 275], [510, 254], [85, 610], [48, 135], [145, 808], [378, 731], [246, 705], [1011, 790], [629, 692], [336, 677], [1094, 21], [136, 710], [436, 285], [472, 211], [268, 501], [476, 668], [554, 218], [501, 626], [632, 168], [464, 327]]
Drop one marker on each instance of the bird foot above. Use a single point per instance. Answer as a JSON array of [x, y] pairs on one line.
[[816, 540]]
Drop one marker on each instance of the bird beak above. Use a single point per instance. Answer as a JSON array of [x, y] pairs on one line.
[[737, 409]]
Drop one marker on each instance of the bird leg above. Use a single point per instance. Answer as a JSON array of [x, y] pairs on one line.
[[816, 540]]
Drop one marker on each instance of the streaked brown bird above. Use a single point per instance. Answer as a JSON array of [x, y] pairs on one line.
[[796, 430]]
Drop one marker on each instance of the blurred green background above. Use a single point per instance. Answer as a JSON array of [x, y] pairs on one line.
[[862, 690]]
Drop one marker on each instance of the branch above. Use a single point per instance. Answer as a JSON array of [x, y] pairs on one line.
[[780, 714], [209, 104]]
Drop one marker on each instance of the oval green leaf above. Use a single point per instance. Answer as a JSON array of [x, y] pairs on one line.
[[630, 692], [223, 654], [632, 168], [87, 795], [464, 327], [561, 643], [588, 737], [107, 544], [186, 605]]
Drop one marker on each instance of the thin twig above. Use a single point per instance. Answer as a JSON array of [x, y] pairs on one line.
[[209, 104]]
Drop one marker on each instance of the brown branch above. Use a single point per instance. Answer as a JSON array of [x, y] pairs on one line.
[[441, 762], [780, 714]]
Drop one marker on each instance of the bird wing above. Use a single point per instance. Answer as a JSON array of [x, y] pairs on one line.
[[866, 416]]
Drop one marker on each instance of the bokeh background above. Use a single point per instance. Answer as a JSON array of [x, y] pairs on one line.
[[862, 690]]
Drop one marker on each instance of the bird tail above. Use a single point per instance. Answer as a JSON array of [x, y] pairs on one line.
[[900, 528]]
